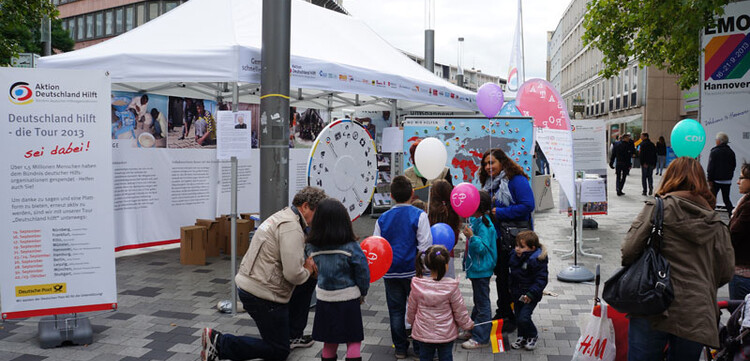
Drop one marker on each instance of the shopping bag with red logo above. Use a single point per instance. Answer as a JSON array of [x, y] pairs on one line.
[[597, 342]]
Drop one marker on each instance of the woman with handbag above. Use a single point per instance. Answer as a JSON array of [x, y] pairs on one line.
[[696, 243], [513, 203]]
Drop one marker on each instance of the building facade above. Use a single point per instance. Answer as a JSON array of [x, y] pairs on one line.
[[93, 21], [635, 100]]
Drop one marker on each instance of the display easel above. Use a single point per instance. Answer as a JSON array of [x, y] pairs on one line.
[[576, 272]]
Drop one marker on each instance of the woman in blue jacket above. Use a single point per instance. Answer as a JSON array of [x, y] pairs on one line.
[[513, 201]]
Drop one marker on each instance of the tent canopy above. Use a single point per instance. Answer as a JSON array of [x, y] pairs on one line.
[[333, 57]]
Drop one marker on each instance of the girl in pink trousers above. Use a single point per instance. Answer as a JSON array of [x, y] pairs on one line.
[[436, 308]]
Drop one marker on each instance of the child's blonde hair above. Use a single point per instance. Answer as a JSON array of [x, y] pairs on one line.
[[434, 258]]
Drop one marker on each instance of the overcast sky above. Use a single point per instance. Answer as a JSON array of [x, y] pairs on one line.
[[486, 25]]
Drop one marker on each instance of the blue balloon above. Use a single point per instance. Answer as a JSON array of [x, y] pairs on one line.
[[688, 138], [443, 235]]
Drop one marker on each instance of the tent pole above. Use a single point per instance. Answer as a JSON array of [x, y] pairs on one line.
[[235, 108], [394, 123], [330, 107], [274, 107]]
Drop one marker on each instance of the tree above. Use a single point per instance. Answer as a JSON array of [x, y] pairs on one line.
[[20, 22], [660, 33]]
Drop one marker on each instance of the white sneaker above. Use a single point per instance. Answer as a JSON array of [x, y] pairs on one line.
[[531, 343], [519, 343], [472, 344]]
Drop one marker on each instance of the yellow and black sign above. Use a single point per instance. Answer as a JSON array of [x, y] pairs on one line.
[[38, 290]]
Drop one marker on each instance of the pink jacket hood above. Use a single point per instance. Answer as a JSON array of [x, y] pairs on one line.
[[436, 310]]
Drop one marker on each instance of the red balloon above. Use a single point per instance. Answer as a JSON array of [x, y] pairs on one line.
[[379, 256]]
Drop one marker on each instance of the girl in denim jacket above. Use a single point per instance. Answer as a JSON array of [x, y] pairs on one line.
[[343, 281], [479, 263], [436, 308]]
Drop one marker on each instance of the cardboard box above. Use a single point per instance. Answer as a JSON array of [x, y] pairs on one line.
[[212, 236], [193, 245], [244, 227], [249, 217], [224, 225]]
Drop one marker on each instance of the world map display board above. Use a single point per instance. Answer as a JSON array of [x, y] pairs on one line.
[[466, 139]]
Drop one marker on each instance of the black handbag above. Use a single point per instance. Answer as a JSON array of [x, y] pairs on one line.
[[644, 287], [508, 232]]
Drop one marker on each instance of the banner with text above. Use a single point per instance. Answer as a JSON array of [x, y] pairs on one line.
[[58, 254], [725, 84]]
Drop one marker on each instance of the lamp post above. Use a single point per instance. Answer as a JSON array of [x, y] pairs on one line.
[[459, 63], [429, 35]]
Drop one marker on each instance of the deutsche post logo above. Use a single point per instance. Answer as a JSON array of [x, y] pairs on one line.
[[20, 93]]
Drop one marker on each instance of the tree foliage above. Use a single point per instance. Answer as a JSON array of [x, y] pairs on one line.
[[661, 33], [20, 23]]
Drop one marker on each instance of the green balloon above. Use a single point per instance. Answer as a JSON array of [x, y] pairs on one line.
[[688, 138]]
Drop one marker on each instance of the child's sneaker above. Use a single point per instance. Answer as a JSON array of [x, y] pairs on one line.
[[520, 343], [531, 343], [472, 344]]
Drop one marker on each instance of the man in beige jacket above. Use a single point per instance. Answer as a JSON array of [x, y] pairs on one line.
[[273, 266]]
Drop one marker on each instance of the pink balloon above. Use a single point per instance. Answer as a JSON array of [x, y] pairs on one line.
[[537, 98], [465, 199], [490, 99]]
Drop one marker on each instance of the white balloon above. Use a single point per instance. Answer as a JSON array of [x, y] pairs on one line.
[[430, 157]]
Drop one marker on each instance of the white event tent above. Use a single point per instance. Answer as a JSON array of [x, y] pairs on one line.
[[337, 61]]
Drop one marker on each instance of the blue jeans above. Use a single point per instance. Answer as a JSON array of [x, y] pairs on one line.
[[482, 310], [396, 293], [444, 351], [272, 320], [526, 328], [647, 344], [739, 287]]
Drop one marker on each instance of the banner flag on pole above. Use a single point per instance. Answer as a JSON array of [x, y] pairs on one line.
[[516, 75]]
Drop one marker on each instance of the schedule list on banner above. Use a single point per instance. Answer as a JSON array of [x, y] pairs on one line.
[[57, 249]]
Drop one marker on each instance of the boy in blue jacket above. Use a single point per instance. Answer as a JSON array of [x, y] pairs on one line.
[[407, 230], [528, 278]]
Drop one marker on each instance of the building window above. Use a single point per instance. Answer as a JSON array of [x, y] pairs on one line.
[[153, 10], [99, 24], [109, 26], [140, 14], [118, 21], [89, 26], [79, 28], [169, 5], [129, 16], [635, 77]]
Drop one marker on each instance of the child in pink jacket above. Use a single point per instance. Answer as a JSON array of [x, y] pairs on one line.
[[436, 307]]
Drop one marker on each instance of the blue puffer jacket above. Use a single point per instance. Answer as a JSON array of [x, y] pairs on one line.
[[528, 274], [481, 252], [343, 272]]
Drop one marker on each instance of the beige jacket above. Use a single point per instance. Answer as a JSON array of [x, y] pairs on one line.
[[273, 264], [699, 250]]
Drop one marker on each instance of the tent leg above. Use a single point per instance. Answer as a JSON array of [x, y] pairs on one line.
[[235, 108]]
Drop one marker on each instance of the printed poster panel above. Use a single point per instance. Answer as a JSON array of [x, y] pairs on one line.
[[57, 195], [725, 85], [590, 154], [466, 139], [233, 135]]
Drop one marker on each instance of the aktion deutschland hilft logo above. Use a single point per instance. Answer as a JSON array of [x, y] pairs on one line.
[[20, 93]]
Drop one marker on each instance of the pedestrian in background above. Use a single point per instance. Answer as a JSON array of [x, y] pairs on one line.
[[647, 156], [620, 161], [661, 155], [721, 165]]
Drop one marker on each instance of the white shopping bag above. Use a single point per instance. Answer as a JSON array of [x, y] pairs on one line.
[[597, 342]]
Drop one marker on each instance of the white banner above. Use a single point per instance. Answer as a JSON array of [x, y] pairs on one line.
[[57, 194], [725, 85], [516, 75]]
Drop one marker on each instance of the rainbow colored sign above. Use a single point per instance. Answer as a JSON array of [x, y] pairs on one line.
[[727, 57]]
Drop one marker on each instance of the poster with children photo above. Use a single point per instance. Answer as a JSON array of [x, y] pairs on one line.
[[139, 120], [192, 123]]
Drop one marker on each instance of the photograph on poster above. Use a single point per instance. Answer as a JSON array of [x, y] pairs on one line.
[[253, 123], [374, 121], [192, 122], [305, 125], [139, 120]]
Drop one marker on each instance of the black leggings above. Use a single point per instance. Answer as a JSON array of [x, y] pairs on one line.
[[503, 290]]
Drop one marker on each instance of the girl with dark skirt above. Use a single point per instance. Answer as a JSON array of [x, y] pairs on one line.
[[343, 281]]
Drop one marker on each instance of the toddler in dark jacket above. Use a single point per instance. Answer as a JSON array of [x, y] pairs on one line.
[[528, 277]]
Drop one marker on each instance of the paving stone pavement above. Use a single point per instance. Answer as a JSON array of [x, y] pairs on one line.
[[163, 305]]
